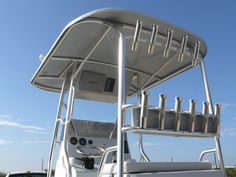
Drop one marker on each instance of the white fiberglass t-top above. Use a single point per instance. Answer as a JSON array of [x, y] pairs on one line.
[[108, 55]]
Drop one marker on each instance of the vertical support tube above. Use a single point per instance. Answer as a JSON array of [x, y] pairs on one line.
[[168, 43], [68, 117], [217, 113], [205, 112], [208, 95], [192, 111], [182, 48], [137, 33], [196, 53], [121, 101], [144, 110], [178, 111], [153, 38], [56, 126], [162, 114]]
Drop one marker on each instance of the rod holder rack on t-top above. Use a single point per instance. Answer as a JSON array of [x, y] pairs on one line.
[[167, 47], [176, 122]]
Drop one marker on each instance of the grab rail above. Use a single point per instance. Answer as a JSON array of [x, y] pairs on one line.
[[104, 158], [56, 126], [207, 151]]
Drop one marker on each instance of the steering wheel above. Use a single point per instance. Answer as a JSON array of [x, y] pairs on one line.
[[98, 151]]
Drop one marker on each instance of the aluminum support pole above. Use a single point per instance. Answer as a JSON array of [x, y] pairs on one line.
[[207, 88], [209, 99], [141, 149], [69, 112], [140, 140], [56, 126], [121, 102]]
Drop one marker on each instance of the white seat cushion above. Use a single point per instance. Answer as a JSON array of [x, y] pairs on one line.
[[146, 167]]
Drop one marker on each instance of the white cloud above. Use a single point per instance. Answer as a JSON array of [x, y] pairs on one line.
[[5, 116], [3, 142], [149, 144], [227, 132], [48, 123], [36, 142], [17, 125], [225, 106], [37, 132]]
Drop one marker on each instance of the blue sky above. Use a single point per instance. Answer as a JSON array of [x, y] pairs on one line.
[[29, 27]]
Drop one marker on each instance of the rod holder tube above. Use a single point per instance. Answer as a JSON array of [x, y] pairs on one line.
[[162, 114], [205, 112], [196, 52], [178, 111], [137, 33], [217, 114], [144, 109], [168, 42], [192, 112], [153, 38], [182, 48]]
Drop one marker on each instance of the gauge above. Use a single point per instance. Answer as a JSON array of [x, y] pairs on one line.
[[82, 141], [73, 140], [90, 141]]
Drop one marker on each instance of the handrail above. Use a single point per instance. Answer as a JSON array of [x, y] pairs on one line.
[[141, 149], [56, 126], [104, 158], [69, 111], [207, 151]]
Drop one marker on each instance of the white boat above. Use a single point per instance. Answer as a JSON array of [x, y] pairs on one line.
[[109, 55]]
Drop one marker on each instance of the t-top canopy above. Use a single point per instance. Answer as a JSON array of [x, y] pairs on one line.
[[160, 51]]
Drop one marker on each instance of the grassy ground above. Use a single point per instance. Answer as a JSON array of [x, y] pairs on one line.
[[2, 174], [231, 172]]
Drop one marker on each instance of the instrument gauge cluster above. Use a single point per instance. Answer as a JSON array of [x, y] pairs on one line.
[[82, 141]]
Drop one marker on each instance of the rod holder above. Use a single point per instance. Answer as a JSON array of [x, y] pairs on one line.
[[192, 112], [178, 111], [182, 48], [205, 112], [153, 38], [162, 114], [196, 52], [137, 33], [168, 42], [144, 110], [217, 113]]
